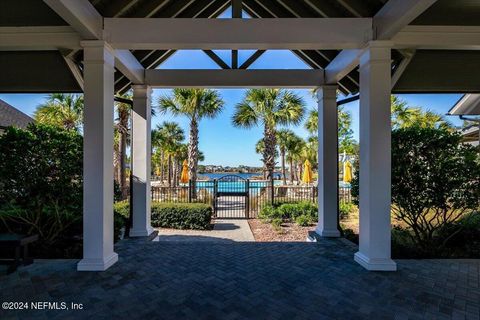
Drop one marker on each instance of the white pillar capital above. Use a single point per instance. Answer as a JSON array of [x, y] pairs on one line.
[[142, 90], [327, 162], [98, 51], [327, 92], [376, 51]]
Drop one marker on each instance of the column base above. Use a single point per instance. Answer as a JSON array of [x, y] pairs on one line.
[[141, 232], [97, 264], [328, 233], [375, 264]]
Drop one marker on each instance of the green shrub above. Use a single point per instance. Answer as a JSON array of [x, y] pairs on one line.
[[345, 209], [277, 224], [303, 220], [195, 216], [121, 214], [303, 213], [41, 188], [268, 212], [288, 211], [435, 182]]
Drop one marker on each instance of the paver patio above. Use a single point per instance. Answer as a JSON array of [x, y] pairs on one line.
[[200, 280]]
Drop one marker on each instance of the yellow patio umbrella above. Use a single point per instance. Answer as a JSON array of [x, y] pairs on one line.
[[307, 172], [347, 172], [184, 176]]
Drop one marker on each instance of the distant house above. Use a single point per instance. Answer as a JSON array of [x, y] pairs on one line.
[[10, 116], [469, 105]]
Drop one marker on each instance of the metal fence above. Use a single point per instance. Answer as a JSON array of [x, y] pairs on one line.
[[236, 197]]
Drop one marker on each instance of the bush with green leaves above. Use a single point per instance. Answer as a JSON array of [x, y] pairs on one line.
[[303, 220], [303, 213], [41, 188], [435, 184], [345, 209], [268, 213], [196, 216]]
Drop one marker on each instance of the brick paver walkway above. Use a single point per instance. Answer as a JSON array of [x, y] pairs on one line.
[[200, 280]]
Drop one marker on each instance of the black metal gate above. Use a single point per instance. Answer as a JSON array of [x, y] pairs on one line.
[[231, 197]]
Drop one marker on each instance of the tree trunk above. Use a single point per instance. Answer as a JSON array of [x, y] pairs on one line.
[[269, 151], [169, 163], [123, 164], [175, 173], [292, 171], [296, 171], [300, 171], [284, 173], [193, 156], [162, 166]]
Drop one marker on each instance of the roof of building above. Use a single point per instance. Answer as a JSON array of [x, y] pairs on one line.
[[426, 71], [470, 133], [10, 116], [469, 104]]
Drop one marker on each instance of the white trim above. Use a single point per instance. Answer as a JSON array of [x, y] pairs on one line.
[[375, 264], [233, 78], [81, 15], [126, 62], [97, 264], [396, 14], [342, 65], [260, 34], [38, 38], [438, 37]]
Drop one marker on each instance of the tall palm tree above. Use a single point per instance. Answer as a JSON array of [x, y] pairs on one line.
[[269, 108], [260, 149], [294, 148], [169, 137], [404, 116], [195, 104], [61, 110], [122, 130], [345, 132], [284, 138]]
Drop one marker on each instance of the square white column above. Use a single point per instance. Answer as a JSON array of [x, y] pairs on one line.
[[98, 73], [375, 159], [327, 162], [141, 161]]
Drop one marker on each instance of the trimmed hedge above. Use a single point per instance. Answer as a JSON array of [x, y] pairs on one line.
[[195, 216]]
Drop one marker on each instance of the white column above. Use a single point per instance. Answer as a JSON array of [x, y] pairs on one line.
[[375, 159], [141, 161], [327, 162], [98, 72]]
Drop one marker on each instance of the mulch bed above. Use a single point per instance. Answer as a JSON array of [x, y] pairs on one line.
[[290, 232]]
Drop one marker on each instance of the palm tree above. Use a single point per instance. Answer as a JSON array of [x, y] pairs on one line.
[[61, 110], [168, 137], [122, 130], [284, 138], [345, 132], [294, 150], [404, 116], [195, 104], [269, 108]]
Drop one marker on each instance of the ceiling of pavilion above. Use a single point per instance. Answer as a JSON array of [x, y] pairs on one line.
[[423, 74]]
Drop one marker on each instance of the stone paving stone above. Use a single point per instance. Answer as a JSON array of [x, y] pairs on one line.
[[206, 280]]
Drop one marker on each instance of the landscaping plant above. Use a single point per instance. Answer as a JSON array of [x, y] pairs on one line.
[[41, 187], [435, 186]]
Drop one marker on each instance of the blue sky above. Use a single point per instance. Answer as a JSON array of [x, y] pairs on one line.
[[219, 140]]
